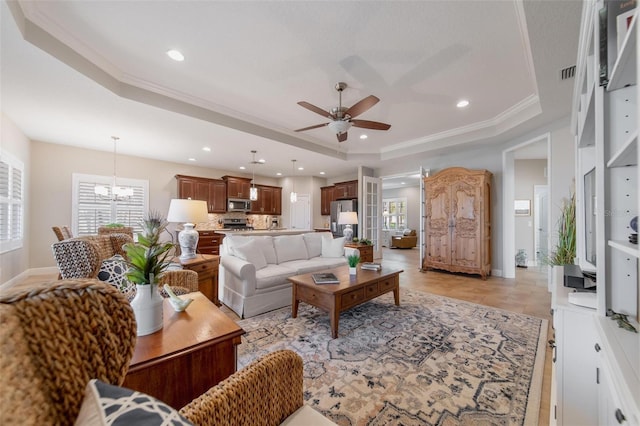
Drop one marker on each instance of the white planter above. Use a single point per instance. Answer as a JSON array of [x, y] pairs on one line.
[[147, 306], [353, 270]]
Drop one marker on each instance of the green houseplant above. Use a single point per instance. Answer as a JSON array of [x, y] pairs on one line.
[[565, 250], [147, 260], [353, 260]]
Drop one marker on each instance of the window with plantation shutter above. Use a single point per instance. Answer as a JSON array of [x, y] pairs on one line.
[[11, 202], [90, 211]]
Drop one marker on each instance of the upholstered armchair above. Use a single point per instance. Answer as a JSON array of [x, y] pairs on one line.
[[408, 239], [57, 336]]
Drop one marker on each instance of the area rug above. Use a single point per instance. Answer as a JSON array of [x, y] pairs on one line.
[[430, 361]]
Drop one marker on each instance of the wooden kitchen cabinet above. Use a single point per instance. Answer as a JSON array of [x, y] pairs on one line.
[[346, 190], [269, 200], [326, 197], [209, 242], [213, 191], [458, 221], [237, 187]]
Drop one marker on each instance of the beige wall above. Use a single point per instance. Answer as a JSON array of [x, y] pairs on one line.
[[527, 174], [13, 141], [52, 168]]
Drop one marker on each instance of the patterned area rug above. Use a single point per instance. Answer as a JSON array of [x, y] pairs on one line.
[[430, 361]]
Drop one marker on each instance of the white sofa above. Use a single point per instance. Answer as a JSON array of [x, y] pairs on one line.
[[254, 269]]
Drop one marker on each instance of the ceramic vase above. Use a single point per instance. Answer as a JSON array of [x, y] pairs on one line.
[[147, 307], [353, 270]]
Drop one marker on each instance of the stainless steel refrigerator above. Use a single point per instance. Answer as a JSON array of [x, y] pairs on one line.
[[342, 206]]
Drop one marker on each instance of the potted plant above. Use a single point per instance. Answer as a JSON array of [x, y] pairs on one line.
[[353, 260], [565, 250], [147, 260]]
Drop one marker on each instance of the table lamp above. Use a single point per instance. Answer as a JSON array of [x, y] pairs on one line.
[[188, 212], [348, 219]]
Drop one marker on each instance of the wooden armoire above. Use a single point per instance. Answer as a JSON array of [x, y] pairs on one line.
[[458, 221]]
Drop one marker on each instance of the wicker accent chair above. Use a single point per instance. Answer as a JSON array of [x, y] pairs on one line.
[[62, 232], [182, 278], [56, 336], [106, 230], [82, 257]]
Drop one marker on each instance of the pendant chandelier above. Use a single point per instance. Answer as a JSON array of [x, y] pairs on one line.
[[293, 197], [113, 192], [253, 192]]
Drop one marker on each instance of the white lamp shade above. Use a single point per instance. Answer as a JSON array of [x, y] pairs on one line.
[[348, 218], [187, 211]]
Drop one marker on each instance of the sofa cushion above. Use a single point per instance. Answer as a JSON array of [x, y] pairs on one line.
[[274, 275], [316, 264], [290, 247], [332, 247], [251, 252], [313, 241], [106, 404], [265, 242]]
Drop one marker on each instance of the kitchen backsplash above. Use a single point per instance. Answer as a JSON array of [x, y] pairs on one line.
[[258, 221]]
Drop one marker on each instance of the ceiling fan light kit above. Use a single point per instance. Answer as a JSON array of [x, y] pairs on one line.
[[342, 118]]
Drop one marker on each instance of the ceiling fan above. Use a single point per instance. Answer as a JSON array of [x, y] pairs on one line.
[[342, 118]]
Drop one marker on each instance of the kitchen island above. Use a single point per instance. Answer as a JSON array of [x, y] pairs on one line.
[[272, 232]]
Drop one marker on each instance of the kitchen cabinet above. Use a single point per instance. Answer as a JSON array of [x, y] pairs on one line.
[[269, 200], [209, 242], [237, 187], [213, 191], [604, 121], [346, 190], [458, 221], [326, 197]]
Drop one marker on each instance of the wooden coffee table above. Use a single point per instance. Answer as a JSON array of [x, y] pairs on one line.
[[350, 292]]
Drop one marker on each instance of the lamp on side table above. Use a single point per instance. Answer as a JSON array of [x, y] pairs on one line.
[[188, 212], [348, 219]]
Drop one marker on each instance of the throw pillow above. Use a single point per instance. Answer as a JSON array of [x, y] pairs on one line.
[[407, 231], [113, 271], [332, 247], [290, 247], [250, 251], [313, 240], [106, 404]]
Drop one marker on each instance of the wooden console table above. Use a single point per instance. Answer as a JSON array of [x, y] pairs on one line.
[[206, 265], [195, 350]]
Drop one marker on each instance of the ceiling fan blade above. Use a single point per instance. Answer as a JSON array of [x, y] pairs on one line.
[[362, 106], [311, 127], [342, 137], [315, 109], [366, 124]]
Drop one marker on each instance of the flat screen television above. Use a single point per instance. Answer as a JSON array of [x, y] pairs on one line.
[[590, 216]]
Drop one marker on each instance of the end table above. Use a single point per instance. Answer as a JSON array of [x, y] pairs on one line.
[[206, 265]]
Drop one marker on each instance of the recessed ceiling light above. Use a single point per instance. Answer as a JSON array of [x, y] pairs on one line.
[[463, 103], [402, 183], [242, 167], [206, 148], [278, 174], [175, 55], [363, 136], [261, 161], [321, 173], [192, 159], [300, 168]]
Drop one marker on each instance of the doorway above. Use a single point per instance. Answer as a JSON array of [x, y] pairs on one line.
[[541, 222], [301, 212]]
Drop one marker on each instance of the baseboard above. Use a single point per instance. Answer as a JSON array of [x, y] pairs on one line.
[[496, 272], [29, 273]]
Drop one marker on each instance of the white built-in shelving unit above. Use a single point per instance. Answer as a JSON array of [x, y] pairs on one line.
[[605, 389]]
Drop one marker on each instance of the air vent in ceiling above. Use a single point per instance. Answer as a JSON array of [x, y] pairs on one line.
[[568, 72]]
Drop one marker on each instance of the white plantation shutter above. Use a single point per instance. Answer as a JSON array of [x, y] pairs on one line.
[[11, 202], [90, 211]]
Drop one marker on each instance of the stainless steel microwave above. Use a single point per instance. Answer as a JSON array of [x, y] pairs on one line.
[[237, 205]]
